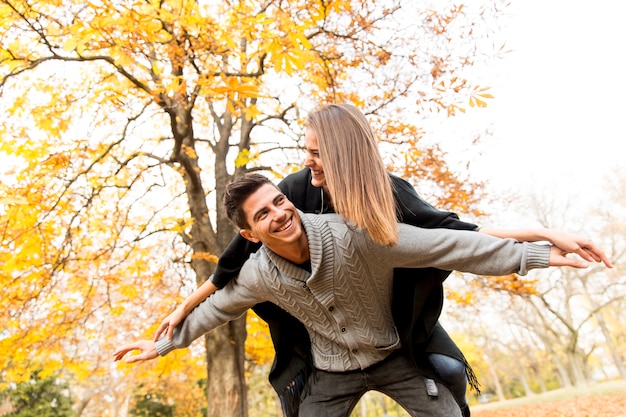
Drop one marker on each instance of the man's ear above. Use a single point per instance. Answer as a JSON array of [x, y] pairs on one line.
[[248, 234]]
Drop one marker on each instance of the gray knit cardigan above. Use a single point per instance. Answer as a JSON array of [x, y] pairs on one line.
[[345, 300]]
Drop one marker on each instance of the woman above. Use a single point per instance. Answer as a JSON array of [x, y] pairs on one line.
[[339, 141]]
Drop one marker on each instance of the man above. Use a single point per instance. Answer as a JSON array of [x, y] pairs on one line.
[[338, 283]]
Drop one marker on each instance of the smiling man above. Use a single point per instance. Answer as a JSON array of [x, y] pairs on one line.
[[331, 277]]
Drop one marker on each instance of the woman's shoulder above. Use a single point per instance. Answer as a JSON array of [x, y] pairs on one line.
[[297, 178]]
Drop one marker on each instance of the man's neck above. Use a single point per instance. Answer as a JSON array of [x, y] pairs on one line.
[[297, 253]]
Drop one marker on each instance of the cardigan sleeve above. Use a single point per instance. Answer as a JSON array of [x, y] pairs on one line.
[[236, 253], [225, 305], [460, 250]]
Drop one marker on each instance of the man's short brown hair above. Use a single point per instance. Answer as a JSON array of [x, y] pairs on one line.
[[237, 192]]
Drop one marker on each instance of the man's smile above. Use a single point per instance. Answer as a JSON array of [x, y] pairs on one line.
[[285, 226]]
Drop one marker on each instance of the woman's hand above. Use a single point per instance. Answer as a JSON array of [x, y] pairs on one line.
[[579, 245]]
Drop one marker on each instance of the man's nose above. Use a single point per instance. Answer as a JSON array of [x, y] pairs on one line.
[[278, 213]]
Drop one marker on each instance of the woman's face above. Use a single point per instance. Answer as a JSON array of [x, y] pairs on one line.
[[312, 159]]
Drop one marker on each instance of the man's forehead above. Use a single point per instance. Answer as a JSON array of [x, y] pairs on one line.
[[262, 197]]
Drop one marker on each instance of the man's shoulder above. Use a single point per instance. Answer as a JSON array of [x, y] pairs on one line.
[[257, 259], [327, 218], [257, 265], [329, 224], [258, 269]]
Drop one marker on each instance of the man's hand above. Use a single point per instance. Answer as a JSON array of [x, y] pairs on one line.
[[147, 348], [558, 257], [169, 323]]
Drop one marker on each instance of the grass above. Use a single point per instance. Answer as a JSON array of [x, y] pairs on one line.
[[604, 388]]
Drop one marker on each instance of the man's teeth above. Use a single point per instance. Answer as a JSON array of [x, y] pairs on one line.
[[286, 225]]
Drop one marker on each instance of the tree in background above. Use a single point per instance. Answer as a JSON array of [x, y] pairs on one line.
[[564, 327], [123, 120], [40, 396], [150, 405]]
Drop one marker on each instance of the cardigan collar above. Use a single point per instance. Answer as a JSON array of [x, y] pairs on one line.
[[322, 255]]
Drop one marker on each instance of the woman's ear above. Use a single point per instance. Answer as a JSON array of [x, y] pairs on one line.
[[248, 234]]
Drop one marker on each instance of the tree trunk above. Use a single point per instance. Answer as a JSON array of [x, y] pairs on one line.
[[617, 359], [540, 381], [525, 384], [566, 381], [225, 368], [577, 369], [494, 374]]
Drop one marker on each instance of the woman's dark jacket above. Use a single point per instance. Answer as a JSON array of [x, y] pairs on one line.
[[417, 294]]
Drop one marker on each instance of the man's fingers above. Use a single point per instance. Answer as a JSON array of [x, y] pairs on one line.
[[164, 326], [120, 354], [573, 262], [136, 358]]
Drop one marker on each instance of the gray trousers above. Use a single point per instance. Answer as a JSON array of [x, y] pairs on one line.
[[335, 394]]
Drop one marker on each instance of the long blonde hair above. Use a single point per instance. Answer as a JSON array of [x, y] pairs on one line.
[[356, 177]]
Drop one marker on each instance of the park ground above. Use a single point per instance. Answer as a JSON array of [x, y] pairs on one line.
[[606, 399]]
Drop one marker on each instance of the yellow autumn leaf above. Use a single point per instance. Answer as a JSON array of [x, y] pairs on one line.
[[252, 112]]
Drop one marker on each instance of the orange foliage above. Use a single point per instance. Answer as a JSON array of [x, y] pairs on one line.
[[259, 347], [512, 283], [476, 285]]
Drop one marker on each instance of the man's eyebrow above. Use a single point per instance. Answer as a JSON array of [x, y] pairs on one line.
[[274, 201], [257, 213]]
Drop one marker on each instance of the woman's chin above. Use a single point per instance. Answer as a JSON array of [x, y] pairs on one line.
[[318, 182]]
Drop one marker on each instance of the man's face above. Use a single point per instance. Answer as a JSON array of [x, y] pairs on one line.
[[312, 159], [273, 220]]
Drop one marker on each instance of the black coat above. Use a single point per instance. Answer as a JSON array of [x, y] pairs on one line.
[[417, 293]]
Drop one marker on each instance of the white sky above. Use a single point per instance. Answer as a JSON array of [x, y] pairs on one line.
[[558, 112]]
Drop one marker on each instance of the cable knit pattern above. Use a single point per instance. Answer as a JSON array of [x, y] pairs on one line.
[[345, 301], [347, 329]]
